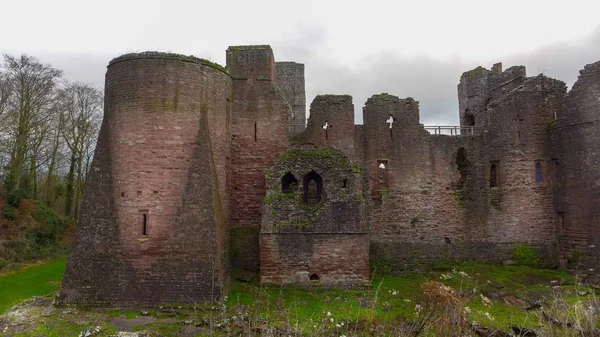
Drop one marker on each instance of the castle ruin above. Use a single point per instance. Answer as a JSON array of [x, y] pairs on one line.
[[201, 172]]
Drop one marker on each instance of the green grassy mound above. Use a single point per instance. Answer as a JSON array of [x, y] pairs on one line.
[[33, 281]]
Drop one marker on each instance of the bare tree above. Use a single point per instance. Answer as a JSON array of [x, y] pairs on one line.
[[55, 145], [31, 91], [4, 93], [81, 113]]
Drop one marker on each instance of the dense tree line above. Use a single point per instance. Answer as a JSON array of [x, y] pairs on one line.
[[48, 130]]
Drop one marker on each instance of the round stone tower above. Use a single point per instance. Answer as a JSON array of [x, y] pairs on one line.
[[159, 197]]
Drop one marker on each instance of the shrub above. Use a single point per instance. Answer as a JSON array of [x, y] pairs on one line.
[[51, 226], [522, 254], [9, 213]]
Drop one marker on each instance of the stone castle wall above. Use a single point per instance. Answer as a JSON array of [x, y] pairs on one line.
[[189, 177], [575, 159]]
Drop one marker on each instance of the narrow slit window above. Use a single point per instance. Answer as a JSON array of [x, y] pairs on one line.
[[555, 171], [255, 131], [345, 183], [144, 224], [493, 175], [538, 173]]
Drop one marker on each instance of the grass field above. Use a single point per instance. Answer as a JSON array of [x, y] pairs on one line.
[[36, 280], [447, 298]]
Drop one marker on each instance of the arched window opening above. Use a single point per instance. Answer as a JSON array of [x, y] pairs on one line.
[[314, 277], [561, 220], [382, 172], [469, 118], [313, 188], [289, 184], [555, 171], [462, 164], [538, 173], [493, 175]]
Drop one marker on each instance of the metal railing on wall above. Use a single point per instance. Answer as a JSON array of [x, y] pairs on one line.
[[451, 130]]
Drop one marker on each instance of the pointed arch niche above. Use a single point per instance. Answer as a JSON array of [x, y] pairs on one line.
[[313, 188], [289, 183]]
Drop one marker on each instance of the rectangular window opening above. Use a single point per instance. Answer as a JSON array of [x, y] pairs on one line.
[[255, 131]]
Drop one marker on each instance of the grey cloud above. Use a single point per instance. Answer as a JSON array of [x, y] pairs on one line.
[[430, 81], [561, 60]]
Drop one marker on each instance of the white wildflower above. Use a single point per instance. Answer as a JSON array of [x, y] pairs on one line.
[[331, 320], [485, 300], [445, 276], [328, 313]]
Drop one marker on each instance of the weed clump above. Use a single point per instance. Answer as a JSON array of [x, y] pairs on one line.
[[524, 255]]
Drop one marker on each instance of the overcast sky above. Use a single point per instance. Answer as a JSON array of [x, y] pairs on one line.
[[416, 48]]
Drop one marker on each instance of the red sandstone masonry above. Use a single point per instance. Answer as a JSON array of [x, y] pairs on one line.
[[187, 145], [259, 127], [165, 119]]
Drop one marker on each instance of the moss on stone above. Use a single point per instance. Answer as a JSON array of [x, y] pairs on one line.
[[251, 47], [294, 223], [332, 156], [168, 56], [474, 72], [460, 196]]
